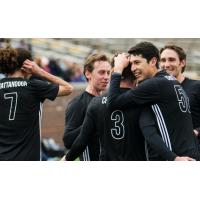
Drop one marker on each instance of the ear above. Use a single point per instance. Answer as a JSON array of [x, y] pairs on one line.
[[153, 61], [88, 74], [183, 63], [112, 70]]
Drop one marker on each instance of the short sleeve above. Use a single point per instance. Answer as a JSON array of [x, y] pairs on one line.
[[44, 90]]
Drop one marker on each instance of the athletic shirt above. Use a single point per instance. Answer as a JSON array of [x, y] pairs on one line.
[[118, 132], [74, 117], [170, 106], [192, 89], [20, 117]]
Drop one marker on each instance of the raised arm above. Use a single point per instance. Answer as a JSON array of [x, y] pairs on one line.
[[31, 67]]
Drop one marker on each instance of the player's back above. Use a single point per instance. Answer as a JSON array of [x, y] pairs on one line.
[[19, 117], [121, 138]]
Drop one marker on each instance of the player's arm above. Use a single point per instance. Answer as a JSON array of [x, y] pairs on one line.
[[197, 97], [146, 92], [74, 117], [70, 136], [151, 135], [87, 130], [196, 132], [121, 62], [31, 67]]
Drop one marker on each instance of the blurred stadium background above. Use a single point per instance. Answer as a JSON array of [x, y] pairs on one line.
[[65, 58]]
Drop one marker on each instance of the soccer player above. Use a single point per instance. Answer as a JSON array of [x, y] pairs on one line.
[[118, 131], [97, 72], [20, 103], [162, 92], [173, 60]]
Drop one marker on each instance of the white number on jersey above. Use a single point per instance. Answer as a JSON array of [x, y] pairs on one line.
[[12, 96], [118, 130], [182, 99]]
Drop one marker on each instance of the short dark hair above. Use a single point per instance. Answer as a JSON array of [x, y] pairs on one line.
[[91, 59], [12, 59], [22, 55], [147, 50], [181, 53], [127, 73]]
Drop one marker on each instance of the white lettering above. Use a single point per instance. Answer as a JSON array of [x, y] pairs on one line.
[[11, 84]]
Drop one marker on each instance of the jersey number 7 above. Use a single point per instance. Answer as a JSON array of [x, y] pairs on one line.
[[12, 97]]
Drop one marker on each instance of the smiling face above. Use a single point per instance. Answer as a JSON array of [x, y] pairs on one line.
[[100, 75], [171, 62], [141, 68]]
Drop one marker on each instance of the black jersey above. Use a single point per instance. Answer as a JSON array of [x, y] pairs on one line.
[[170, 105], [192, 89], [122, 138], [118, 131], [20, 117], [74, 117], [155, 146]]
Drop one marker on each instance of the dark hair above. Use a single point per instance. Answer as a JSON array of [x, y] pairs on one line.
[[22, 55], [147, 50], [91, 59], [12, 59], [127, 73], [181, 53]]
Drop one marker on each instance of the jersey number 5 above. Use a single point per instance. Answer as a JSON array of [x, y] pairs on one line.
[[183, 100], [118, 130], [12, 96]]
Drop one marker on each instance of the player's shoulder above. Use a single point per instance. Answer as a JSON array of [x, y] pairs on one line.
[[79, 101], [98, 105], [165, 79], [195, 82], [37, 83], [34, 80], [99, 100], [162, 75], [150, 83], [192, 82]]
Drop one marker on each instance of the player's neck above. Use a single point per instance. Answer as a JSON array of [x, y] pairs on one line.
[[180, 78], [92, 90], [17, 74], [127, 84], [154, 71]]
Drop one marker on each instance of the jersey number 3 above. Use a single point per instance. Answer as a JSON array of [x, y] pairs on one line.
[[118, 130], [12, 96]]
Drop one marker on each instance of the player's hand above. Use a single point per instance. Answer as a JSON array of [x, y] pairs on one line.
[[121, 61], [184, 158], [196, 133], [31, 67], [63, 158]]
